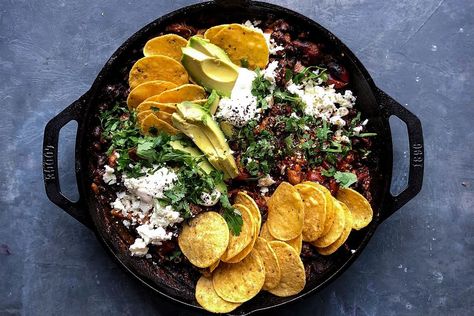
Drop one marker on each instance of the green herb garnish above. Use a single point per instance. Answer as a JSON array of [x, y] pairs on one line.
[[345, 179]]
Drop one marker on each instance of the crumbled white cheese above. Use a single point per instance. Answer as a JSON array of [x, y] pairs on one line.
[[358, 129], [269, 73], [323, 101], [140, 199], [164, 216], [264, 190], [131, 205], [126, 223], [337, 120], [253, 25], [210, 199], [139, 248], [151, 185], [345, 139], [152, 235], [273, 47], [241, 107], [342, 111], [266, 181], [109, 177]]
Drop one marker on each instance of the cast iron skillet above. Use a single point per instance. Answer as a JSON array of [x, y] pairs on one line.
[[374, 103]]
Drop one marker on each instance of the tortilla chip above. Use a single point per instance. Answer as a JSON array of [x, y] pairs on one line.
[[285, 212], [239, 282], [336, 229], [238, 243], [360, 208], [326, 251], [296, 243], [212, 31], [293, 276], [329, 205], [155, 98], [168, 45], [146, 90], [314, 211], [204, 239], [156, 107], [167, 128], [246, 200], [151, 125], [270, 261], [157, 68], [207, 297], [243, 44], [159, 114], [186, 92], [214, 266]]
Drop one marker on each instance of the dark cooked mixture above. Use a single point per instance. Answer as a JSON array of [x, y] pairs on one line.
[[290, 148]]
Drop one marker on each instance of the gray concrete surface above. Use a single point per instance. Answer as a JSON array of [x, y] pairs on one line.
[[420, 262]]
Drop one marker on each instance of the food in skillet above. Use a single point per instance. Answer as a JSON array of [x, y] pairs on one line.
[[240, 152]]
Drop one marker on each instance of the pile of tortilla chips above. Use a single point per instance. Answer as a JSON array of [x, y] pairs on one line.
[[158, 82], [267, 257]]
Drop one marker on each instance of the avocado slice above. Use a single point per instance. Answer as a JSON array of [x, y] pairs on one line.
[[207, 48], [194, 152], [203, 163], [212, 102], [197, 124], [227, 128], [210, 72]]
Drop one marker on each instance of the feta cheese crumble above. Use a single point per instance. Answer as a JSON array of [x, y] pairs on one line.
[[151, 185], [139, 203], [323, 101], [109, 177], [139, 248], [152, 235], [273, 47], [269, 73], [210, 199], [241, 107], [266, 181]]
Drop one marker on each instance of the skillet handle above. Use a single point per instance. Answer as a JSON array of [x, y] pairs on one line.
[[415, 140], [50, 161]]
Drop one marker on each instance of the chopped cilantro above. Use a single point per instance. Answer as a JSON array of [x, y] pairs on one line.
[[175, 255], [366, 134], [119, 128], [261, 88], [323, 131], [310, 73], [345, 179], [329, 172]]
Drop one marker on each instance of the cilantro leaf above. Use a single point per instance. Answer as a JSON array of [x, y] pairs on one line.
[[345, 179], [234, 221], [329, 172], [310, 73]]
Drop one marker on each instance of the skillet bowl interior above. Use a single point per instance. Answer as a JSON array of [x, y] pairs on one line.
[[173, 280]]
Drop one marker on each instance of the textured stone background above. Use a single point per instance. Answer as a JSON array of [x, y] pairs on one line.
[[419, 262]]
